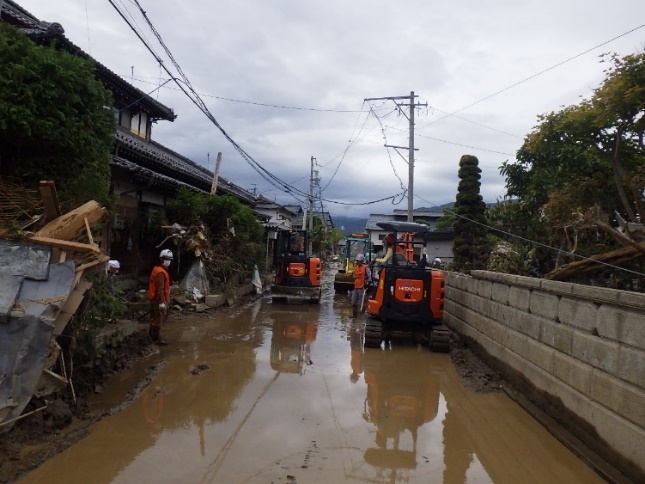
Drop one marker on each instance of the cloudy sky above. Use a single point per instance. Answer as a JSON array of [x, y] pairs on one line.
[[287, 80]]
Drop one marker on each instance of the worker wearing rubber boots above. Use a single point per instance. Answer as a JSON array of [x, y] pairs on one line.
[[159, 295], [362, 276]]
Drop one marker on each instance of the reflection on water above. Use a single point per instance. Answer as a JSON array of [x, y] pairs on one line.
[[398, 403], [291, 345]]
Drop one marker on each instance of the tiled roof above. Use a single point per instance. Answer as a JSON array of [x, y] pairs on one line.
[[176, 166]]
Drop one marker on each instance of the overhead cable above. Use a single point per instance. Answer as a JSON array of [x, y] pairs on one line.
[[537, 74]]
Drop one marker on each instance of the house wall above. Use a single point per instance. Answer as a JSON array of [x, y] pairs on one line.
[[441, 249], [577, 352]]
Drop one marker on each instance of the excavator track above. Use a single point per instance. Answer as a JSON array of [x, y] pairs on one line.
[[373, 333], [439, 341]]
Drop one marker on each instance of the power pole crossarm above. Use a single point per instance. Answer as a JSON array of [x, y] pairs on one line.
[[411, 148]]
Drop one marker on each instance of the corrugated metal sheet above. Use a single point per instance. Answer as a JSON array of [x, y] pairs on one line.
[[26, 335]]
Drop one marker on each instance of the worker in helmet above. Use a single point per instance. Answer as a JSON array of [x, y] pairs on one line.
[[362, 278], [113, 270], [159, 295]]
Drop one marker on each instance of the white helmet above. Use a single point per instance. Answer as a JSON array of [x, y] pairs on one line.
[[360, 257], [166, 254]]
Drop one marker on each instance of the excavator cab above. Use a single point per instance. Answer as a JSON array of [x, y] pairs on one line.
[[409, 296], [297, 273], [356, 243]]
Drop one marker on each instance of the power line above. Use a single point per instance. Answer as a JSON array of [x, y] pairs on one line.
[[195, 98], [534, 242], [476, 123], [537, 74], [349, 144], [387, 149], [257, 103]]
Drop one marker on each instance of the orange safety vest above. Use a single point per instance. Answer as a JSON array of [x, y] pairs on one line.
[[152, 286], [359, 276]]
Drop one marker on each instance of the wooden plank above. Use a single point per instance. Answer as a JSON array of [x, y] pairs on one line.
[[101, 260], [89, 231], [64, 244], [71, 226], [50, 199], [70, 307]]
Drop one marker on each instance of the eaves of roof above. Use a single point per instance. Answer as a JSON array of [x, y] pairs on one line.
[[147, 176], [176, 166]]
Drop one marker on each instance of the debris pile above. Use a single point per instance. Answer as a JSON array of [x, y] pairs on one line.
[[41, 287]]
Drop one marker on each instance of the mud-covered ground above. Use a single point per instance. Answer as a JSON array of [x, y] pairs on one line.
[[58, 423], [53, 424]]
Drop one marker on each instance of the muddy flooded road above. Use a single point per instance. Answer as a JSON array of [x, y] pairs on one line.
[[275, 393]]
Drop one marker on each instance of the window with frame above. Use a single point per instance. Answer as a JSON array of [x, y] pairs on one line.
[[139, 125]]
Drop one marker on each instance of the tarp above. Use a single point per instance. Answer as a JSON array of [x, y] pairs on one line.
[[26, 335], [196, 278]]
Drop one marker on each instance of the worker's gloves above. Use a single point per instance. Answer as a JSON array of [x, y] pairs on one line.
[[162, 307]]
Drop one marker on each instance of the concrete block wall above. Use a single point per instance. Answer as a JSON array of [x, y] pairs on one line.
[[578, 352]]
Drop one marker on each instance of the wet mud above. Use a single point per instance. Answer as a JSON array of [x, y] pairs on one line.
[[268, 393]]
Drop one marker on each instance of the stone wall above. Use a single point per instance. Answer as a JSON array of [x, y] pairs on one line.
[[577, 352]]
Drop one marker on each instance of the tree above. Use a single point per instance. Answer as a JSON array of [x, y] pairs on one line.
[[470, 245], [584, 162], [234, 234], [55, 119]]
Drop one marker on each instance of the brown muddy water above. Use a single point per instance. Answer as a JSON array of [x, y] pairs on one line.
[[274, 393]]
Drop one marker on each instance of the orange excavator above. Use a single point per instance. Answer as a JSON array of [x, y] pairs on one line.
[[409, 296], [297, 273]]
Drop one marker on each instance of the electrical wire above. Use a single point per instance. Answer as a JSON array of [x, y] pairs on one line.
[[524, 239], [196, 99], [535, 75], [389, 155], [145, 95], [349, 144]]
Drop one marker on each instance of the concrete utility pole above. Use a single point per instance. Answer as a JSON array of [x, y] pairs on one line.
[[311, 204], [218, 162], [411, 149]]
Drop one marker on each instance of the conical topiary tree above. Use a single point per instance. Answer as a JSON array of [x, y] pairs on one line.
[[471, 248]]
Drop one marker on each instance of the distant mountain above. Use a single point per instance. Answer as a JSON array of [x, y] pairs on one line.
[[348, 225]]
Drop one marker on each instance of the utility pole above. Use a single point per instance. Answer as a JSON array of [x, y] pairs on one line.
[[411, 149], [311, 204], [218, 162]]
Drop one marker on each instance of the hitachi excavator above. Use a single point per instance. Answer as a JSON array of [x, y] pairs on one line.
[[409, 296], [355, 244], [297, 274]]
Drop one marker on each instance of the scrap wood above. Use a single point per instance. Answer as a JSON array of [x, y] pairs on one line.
[[73, 225], [100, 260], [17, 202], [62, 244], [89, 231], [50, 199], [619, 236], [23, 415], [597, 261]]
